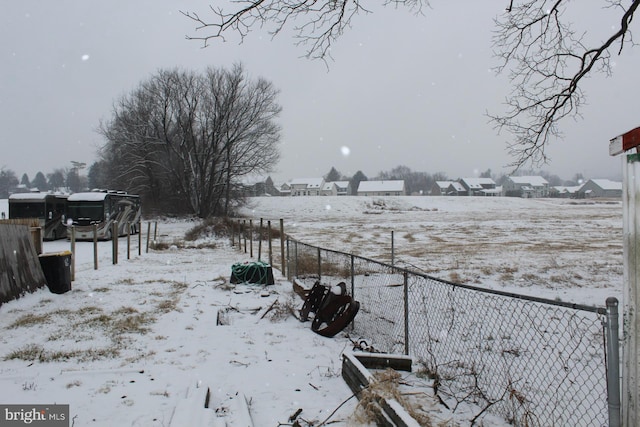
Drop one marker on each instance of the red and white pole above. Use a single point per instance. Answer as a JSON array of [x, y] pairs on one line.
[[630, 297]]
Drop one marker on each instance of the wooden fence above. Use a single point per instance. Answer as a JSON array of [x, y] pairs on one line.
[[20, 270]]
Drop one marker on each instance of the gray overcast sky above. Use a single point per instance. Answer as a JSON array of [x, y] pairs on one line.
[[402, 90]]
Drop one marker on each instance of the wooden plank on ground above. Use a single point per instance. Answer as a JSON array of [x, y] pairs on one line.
[[358, 377]]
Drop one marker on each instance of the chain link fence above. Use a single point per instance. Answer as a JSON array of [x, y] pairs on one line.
[[533, 361]]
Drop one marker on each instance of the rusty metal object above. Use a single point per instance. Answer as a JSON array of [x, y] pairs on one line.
[[332, 312]]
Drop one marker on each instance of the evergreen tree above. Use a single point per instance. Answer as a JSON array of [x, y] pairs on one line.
[[355, 182], [333, 175], [40, 182], [25, 181]]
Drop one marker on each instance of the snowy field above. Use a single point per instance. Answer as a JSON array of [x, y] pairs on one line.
[[131, 341], [568, 250]]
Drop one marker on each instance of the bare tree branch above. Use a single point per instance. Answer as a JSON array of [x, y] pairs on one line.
[[316, 24], [547, 60]]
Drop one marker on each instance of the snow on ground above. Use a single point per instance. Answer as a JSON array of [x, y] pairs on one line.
[[132, 340], [564, 249]]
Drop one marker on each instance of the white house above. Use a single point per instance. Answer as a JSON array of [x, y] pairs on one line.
[[564, 192], [336, 188], [439, 188], [381, 188], [526, 186], [306, 186], [479, 186]]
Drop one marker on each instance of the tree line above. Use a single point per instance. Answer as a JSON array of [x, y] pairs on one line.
[[422, 182], [415, 182]]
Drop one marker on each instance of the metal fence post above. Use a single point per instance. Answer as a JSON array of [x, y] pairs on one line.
[[406, 313], [613, 362]]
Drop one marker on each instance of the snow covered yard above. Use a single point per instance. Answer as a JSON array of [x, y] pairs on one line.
[[131, 341]]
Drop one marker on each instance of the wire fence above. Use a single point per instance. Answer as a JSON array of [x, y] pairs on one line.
[[533, 361]]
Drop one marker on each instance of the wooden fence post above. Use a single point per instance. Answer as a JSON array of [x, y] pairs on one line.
[[95, 246], [282, 258]]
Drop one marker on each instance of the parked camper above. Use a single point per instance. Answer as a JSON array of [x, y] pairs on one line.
[[48, 208], [103, 209]]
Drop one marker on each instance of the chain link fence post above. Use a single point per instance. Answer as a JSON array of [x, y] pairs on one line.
[[613, 362], [406, 312]]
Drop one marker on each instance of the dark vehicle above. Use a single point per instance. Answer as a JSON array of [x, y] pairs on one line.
[[48, 208], [103, 208]]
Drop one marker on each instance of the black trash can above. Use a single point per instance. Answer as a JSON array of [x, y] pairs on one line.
[[56, 267]]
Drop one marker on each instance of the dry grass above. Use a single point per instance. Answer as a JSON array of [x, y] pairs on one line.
[[92, 322], [386, 386]]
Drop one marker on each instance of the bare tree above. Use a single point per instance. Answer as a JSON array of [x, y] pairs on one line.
[[8, 181], [185, 140], [545, 56]]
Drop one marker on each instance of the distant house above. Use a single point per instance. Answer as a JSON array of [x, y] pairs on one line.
[[260, 186], [439, 188], [479, 186], [564, 191], [600, 188], [456, 189], [306, 187], [525, 186], [382, 188], [336, 188], [285, 189]]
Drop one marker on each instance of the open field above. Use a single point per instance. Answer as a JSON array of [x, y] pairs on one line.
[[563, 249]]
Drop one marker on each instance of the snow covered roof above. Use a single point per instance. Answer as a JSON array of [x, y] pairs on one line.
[[534, 181], [34, 196], [444, 184], [392, 185], [456, 186], [341, 184], [478, 183], [606, 184], [90, 196], [309, 182], [565, 189]]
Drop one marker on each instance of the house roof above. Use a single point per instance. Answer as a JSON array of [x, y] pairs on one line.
[[534, 181], [309, 182], [477, 183], [392, 185], [606, 184], [456, 186], [565, 189], [444, 184]]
